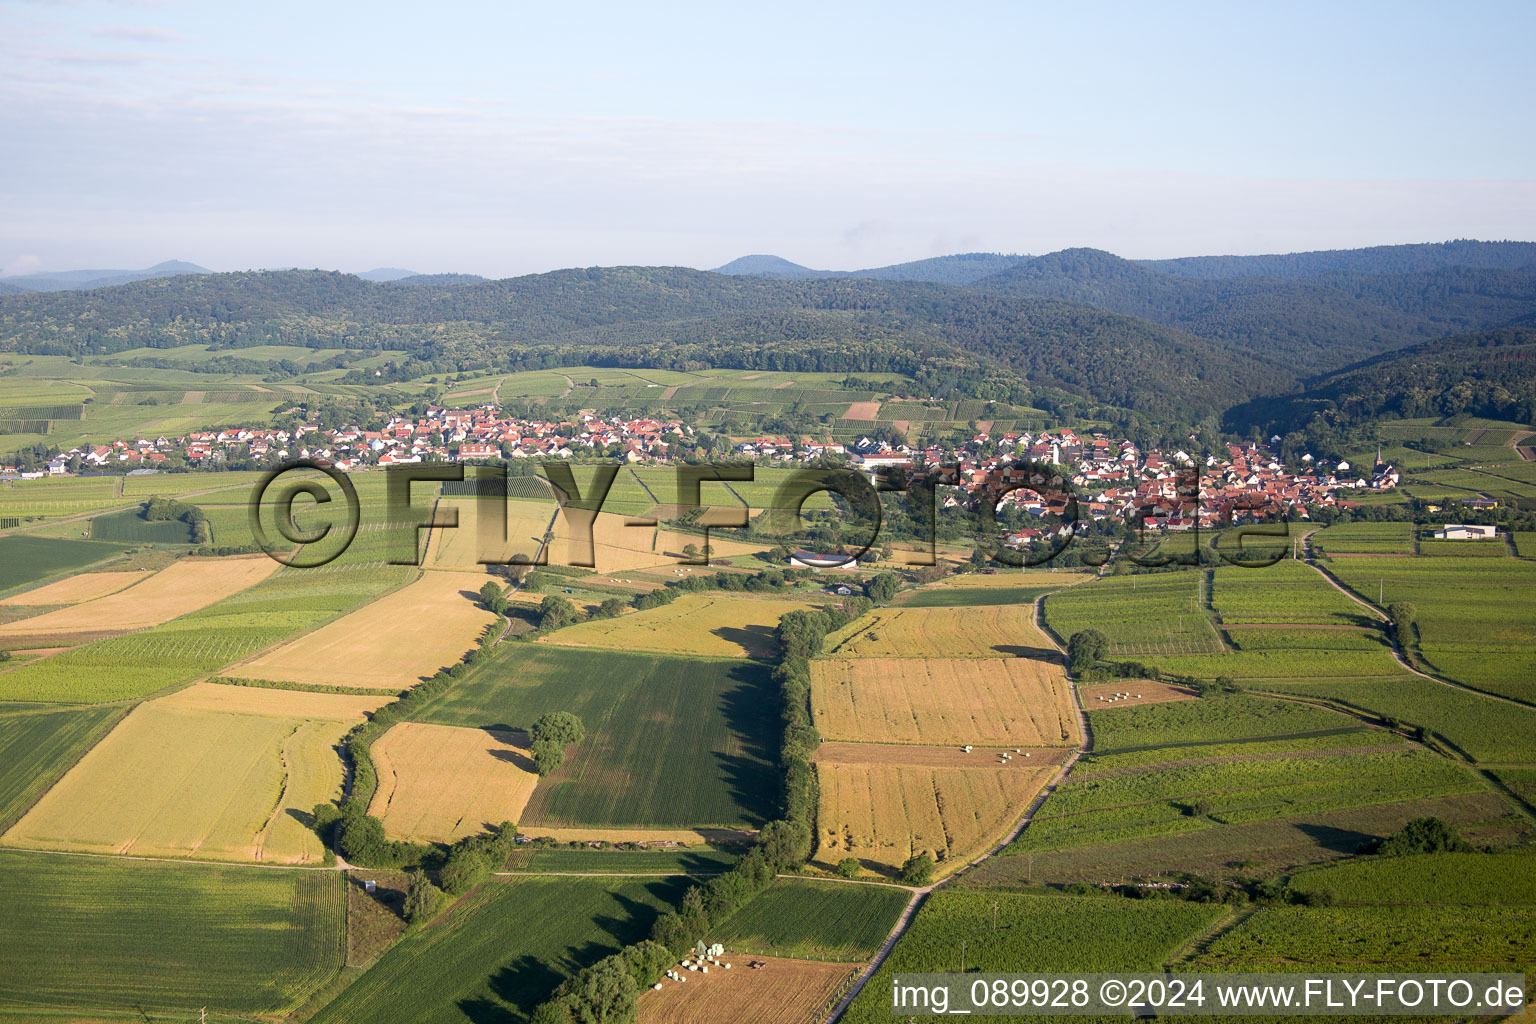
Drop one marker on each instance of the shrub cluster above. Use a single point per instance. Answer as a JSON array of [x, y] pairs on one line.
[[159, 510], [551, 734]]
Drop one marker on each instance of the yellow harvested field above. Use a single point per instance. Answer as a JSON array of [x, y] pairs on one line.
[[439, 783], [1100, 696], [183, 781], [700, 624], [397, 641], [780, 992], [1007, 579], [257, 700], [948, 756], [85, 587], [863, 411], [987, 631], [615, 546], [997, 701], [182, 587], [461, 548], [883, 814]]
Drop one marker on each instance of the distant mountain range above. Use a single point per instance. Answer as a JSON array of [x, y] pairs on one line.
[[1242, 339], [68, 280], [961, 269]]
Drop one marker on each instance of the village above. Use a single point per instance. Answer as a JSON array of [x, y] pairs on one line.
[[1113, 478]]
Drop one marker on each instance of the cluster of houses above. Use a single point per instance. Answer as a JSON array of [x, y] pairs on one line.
[[1113, 478]]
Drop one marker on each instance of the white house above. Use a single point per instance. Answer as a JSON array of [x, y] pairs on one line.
[[1456, 531]]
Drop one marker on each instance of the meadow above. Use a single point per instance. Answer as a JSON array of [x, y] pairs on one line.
[[130, 527], [707, 625], [439, 783], [1012, 701], [1033, 934], [811, 920], [670, 741], [502, 950], [87, 934], [191, 776], [36, 748]]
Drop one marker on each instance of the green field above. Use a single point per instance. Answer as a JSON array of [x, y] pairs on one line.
[[1033, 933], [815, 921], [1377, 939], [1185, 796], [623, 862], [501, 951], [1475, 616], [37, 748], [1287, 591], [1364, 538], [130, 527], [1483, 879], [1208, 720], [1486, 728], [26, 560], [1158, 613], [87, 933], [670, 741]]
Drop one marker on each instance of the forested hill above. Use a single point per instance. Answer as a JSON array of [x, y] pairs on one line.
[[1379, 259], [960, 269], [1314, 324], [1490, 373], [659, 316]]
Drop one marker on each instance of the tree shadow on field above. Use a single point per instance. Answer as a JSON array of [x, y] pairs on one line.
[[1037, 653], [1336, 840], [750, 710], [524, 983], [757, 641], [304, 818]]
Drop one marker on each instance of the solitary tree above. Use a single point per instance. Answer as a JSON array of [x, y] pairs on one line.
[[882, 587], [918, 870], [492, 597], [561, 727], [848, 867], [421, 897], [1085, 648]]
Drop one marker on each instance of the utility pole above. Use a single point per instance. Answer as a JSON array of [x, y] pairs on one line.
[[962, 956], [994, 915]]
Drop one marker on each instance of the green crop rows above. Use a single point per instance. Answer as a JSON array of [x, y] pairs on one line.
[[35, 749], [815, 921], [86, 934], [1226, 717], [26, 560], [1440, 878], [670, 741]]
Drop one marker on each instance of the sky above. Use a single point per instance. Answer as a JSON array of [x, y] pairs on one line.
[[504, 138]]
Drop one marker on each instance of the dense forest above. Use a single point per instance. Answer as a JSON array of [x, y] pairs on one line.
[[1166, 342], [1492, 374]]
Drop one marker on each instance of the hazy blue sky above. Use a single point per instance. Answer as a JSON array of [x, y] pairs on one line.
[[506, 138]]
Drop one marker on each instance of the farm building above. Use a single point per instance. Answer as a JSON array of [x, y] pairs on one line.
[[1456, 531]]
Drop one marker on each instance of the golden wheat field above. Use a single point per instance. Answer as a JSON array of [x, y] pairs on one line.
[[439, 783], [999, 701], [396, 641], [85, 587], [701, 624], [883, 814], [1099, 696], [177, 778], [987, 631], [461, 548], [781, 992], [183, 586]]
